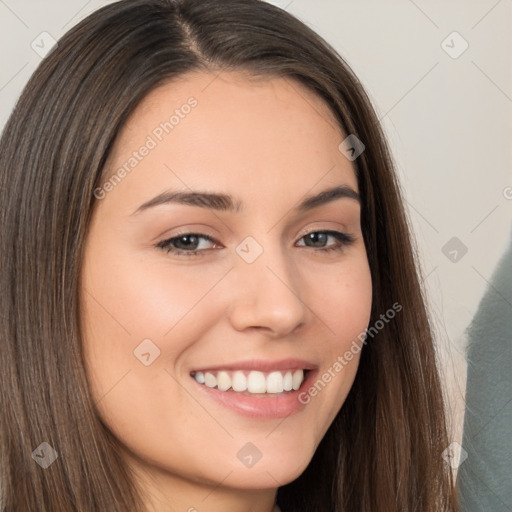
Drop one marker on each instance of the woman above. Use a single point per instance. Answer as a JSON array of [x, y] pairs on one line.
[[210, 298]]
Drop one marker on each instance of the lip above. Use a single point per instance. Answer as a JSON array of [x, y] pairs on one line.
[[259, 406], [261, 365]]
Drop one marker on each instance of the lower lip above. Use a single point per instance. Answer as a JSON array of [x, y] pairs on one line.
[[263, 406]]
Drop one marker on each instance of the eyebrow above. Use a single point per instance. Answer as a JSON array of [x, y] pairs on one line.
[[226, 202]]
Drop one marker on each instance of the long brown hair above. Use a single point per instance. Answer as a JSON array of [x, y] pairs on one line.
[[383, 452]]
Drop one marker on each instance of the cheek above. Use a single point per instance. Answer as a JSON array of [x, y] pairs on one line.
[[125, 301], [343, 302], [128, 300], [349, 302], [342, 297], [133, 298]]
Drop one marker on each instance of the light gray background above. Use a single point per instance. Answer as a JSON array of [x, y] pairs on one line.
[[448, 121]]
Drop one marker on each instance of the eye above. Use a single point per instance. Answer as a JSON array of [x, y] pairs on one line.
[[188, 244], [184, 244], [342, 240]]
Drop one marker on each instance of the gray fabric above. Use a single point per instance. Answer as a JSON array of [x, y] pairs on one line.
[[485, 477]]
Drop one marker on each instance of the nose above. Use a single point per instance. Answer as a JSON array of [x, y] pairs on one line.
[[267, 295]]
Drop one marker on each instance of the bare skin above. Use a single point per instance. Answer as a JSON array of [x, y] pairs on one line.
[[269, 143]]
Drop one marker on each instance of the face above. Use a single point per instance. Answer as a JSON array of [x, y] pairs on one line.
[[183, 296]]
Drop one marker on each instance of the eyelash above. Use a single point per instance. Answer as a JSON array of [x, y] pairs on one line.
[[343, 240]]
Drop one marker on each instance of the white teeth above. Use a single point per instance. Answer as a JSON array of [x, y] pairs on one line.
[[275, 383], [287, 381], [253, 382], [298, 377], [256, 382], [223, 381], [239, 381], [210, 380]]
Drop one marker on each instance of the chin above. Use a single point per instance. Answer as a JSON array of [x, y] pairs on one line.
[[274, 472]]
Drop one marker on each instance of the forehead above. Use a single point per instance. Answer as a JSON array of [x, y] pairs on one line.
[[223, 91], [232, 129]]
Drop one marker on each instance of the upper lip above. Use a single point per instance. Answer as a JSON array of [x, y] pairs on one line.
[[262, 365]]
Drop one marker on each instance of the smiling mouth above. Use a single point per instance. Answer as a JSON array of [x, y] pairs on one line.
[[252, 382]]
